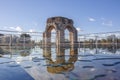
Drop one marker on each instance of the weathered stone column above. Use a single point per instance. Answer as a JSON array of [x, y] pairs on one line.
[[47, 52], [60, 41], [44, 39], [60, 51], [73, 51], [75, 41], [47, 39]]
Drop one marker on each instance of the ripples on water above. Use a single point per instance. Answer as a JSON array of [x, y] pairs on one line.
[[59, 64]]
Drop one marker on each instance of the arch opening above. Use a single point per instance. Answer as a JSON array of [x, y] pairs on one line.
[[70, 35], [53, 37], [51, 32], [67, 37]]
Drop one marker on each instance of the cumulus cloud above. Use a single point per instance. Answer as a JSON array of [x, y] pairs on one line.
[[78, 29], [91, 19]]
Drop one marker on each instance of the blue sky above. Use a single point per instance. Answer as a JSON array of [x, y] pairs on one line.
[[89, 16]]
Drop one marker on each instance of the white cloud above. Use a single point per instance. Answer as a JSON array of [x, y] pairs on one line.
[[107, 23], [78, 29], [91, 19], [32, 30], [18, 29], [13, 28]]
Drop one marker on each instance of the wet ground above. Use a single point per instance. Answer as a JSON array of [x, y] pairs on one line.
[[59, 64]]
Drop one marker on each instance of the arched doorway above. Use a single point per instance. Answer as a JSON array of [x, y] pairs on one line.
[[53, 37], [67, 37], [49, 36], [72, 37]]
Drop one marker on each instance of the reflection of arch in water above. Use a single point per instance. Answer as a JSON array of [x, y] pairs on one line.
[[59, 24], [60, 65]]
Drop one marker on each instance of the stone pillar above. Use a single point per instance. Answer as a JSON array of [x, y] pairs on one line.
[[47, 39], [44, 39], [60, 51], [46, 52], [60, 38], [73, 39], [73, 51]]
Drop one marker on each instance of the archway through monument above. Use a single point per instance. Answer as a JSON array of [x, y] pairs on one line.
[[68, 34], [60, 24], [53, 37], [67, 37]]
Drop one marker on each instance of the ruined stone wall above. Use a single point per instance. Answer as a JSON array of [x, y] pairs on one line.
[[60, 24]]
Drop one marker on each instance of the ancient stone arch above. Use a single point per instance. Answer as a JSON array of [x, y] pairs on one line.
[[59, 24]]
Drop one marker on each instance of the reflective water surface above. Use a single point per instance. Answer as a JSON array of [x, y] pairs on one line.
[[35, 63]]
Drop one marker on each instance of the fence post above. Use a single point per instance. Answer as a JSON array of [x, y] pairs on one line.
[[96, 43], [10, 43], [84, 41], [24, 42]]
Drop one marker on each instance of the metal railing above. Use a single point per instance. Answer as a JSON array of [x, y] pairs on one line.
[[99, 39], [11, 38]]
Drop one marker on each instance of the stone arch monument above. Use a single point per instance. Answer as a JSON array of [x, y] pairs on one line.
[[59, 24]]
